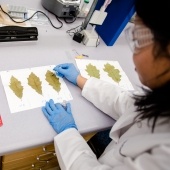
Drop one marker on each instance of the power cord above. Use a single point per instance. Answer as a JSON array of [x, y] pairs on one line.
[[32, 17], [98, 41], [74, 17], [66, 21], [75, 30]]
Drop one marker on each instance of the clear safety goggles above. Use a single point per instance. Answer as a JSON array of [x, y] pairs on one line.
[[138, 37]]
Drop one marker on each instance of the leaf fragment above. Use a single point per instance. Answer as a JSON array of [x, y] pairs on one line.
[[53, 80], [112, 72], [16, 87], [35, 83], [93, 71]]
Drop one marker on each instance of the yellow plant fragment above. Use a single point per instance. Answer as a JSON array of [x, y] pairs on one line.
[[53, 80], [112, 72], [93, 71], [35, 83], [16, 87], [79, 57]]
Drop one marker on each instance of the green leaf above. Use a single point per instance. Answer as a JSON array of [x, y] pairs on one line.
[[53, 80], [112, 72], [35, 83], [93, 71], [16, 87]]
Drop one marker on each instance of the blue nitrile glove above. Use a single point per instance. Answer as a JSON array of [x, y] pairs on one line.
[[67, 70], [59, 117]]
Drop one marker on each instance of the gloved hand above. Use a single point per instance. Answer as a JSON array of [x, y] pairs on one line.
[[67, 70], [59, 117]]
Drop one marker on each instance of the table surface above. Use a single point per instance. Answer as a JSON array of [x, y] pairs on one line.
[[30, 128]]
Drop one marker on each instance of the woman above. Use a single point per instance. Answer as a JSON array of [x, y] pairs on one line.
[[141, 134]]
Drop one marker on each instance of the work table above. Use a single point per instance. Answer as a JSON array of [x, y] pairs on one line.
[[30, 128]]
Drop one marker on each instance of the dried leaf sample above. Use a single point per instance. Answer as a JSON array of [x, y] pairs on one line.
[[53, 80], [112, 72], [35, 83], [16, 87], [93, 71]]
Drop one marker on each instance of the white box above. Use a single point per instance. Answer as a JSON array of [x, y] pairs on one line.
[[91, 38], [98, 17]]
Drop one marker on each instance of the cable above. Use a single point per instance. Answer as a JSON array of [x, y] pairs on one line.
[[74, 16], [70, 21], [75, 30], [59, 21], [98, 41], [32, 17], [78, 29]]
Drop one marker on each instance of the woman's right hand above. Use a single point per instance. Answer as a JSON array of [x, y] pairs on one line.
[[67, 70]]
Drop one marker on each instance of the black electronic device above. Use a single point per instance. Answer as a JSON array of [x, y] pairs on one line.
[[78, 37], [62, 8], [17, 33]]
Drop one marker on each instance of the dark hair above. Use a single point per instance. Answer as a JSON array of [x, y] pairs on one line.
[[153, 104], [156, 15]]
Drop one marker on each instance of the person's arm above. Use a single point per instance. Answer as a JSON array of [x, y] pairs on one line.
[[107, 97], [69, 71], [81, 81], [73, 153]]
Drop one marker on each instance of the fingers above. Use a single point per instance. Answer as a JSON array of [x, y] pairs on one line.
[[45, 113], [68, 105], [52, 105], [48, 108], [56, 69], [51, 108], [61, 66], [61, 69], [60, 75], [59, 106]]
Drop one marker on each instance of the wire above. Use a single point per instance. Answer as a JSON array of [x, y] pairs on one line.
[[75, 30], [70, 21], [74, 16], [32, 17], [98, 41], [78, 29], [59, 21]]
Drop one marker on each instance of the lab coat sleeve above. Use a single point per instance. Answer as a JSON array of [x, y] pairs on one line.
[[73, 153], [146, 161], [108, 97], [71, 147]]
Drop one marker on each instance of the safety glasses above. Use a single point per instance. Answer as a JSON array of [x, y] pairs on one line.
[[138, 37]]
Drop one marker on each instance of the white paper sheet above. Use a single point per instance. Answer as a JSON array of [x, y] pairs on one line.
[[30, 98], [99, 64]]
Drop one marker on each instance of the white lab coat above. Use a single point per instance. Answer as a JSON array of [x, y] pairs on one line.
[[134, 146]]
